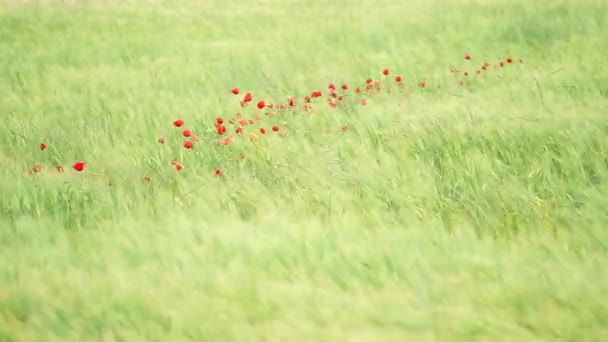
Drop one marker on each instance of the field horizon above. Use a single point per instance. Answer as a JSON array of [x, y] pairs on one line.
[[290, 170]]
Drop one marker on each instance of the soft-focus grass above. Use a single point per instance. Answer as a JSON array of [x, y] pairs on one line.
[[447, 213]]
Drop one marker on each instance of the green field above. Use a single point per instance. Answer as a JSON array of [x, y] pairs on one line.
[[472, 209]]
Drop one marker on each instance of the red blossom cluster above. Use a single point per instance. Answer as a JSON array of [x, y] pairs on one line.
[[239, 125]]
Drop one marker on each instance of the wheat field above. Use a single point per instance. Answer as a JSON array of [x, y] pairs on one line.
[[461, 194]]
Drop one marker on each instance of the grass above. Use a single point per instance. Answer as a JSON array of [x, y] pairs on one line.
[[448, 212]]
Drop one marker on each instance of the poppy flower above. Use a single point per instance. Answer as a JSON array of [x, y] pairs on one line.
[[385, 72], [79, 166], [369, 81], [188, 145], [291, 101], [275, 128], [178, 123], [261, 105], [42, 146], [179, 167], [174, 161], [467, 57], [422, 84], [398, 78], [502, 64], [239, 130], [221, 129], [248, 97], [345, 86], [262, 130], [219, 121], [358, 90], [235, 91], [187, 133], [466, 73], [218, 172], [307, 99], [331, 86], [509, 60]]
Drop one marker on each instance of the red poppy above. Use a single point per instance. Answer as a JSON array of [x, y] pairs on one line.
[[331, 86], [262, 130], [221, 129], [235, 91], [398, 78], [467, 57], [239, 130], [219, 121], [79, 166], [422, 84], [188, 145], [345, 86], [261, 105], [385, 72], [187, 133], [42, 146], [275, 128], [369, 81], [179, 167], [291, 101], [218, 172], [248, 97], [178, 123], [509, 60]]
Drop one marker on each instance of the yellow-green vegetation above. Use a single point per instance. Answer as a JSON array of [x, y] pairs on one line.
[[475, 208]]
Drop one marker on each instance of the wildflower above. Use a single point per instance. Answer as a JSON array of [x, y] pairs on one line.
[[79, 166]]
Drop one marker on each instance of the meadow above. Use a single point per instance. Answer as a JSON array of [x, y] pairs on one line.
[[425, 170]]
